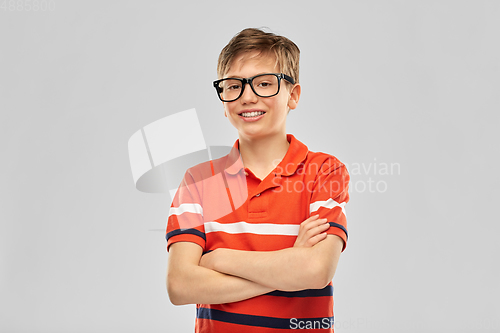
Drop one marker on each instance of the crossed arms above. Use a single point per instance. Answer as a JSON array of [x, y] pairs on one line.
[[226, 275]]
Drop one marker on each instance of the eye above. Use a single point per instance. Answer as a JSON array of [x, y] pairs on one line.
[[265, 84], [233, 87]]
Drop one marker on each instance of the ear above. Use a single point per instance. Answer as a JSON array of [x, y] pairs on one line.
[[294, 96]]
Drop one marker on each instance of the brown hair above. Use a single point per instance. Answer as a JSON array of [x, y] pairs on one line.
[[287, 54]]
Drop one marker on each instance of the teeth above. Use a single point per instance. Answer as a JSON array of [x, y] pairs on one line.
[[252, 114]]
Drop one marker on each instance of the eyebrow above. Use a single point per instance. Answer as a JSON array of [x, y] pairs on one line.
[[241, 77]]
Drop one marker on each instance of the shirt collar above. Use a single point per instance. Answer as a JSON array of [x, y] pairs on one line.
[[296, 153]]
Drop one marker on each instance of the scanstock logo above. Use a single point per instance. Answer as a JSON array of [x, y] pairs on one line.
[[161, 152]]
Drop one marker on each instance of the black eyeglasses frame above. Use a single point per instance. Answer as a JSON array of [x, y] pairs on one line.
[[249, 81]]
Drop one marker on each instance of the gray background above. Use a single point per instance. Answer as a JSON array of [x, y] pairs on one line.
[[413, 83]]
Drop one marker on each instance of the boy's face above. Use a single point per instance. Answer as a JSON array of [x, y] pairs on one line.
[[273, 121]]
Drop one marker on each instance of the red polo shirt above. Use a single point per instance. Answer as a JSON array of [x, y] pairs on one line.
[[221, 204]]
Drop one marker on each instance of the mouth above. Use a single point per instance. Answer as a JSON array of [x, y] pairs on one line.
[[251, 113]]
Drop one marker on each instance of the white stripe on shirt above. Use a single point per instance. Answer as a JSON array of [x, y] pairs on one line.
[[253, 228], [186, 207], [330, 203]]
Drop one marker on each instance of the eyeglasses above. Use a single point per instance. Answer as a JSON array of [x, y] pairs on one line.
[[263, 85]]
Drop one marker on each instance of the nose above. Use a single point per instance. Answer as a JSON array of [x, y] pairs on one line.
[[248, 95]]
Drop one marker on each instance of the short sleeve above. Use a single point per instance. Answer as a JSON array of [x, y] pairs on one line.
[[185, 220], [330, 195]]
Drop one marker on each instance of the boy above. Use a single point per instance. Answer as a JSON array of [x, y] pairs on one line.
[[254, 238]]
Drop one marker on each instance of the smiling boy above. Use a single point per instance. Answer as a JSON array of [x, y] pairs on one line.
[[265, 262]]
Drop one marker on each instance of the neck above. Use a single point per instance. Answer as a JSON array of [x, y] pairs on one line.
[[263, 153]]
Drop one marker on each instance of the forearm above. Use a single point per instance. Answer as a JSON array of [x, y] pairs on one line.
[[200, 285], [290, 269]]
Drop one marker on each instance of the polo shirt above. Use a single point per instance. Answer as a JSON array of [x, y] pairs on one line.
[[222, 204]]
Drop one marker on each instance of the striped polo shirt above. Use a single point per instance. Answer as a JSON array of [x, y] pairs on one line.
[[222, 204]]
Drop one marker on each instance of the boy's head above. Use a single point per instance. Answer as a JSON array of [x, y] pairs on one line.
[[266, 62], [285, 52]]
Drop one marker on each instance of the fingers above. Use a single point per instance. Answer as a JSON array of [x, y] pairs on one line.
[[312, 231], [316, 239], [314, 227], [309, 220], [318, 228], [312, 222]]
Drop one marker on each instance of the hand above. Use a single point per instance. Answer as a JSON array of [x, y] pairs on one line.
[[312, 231]]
